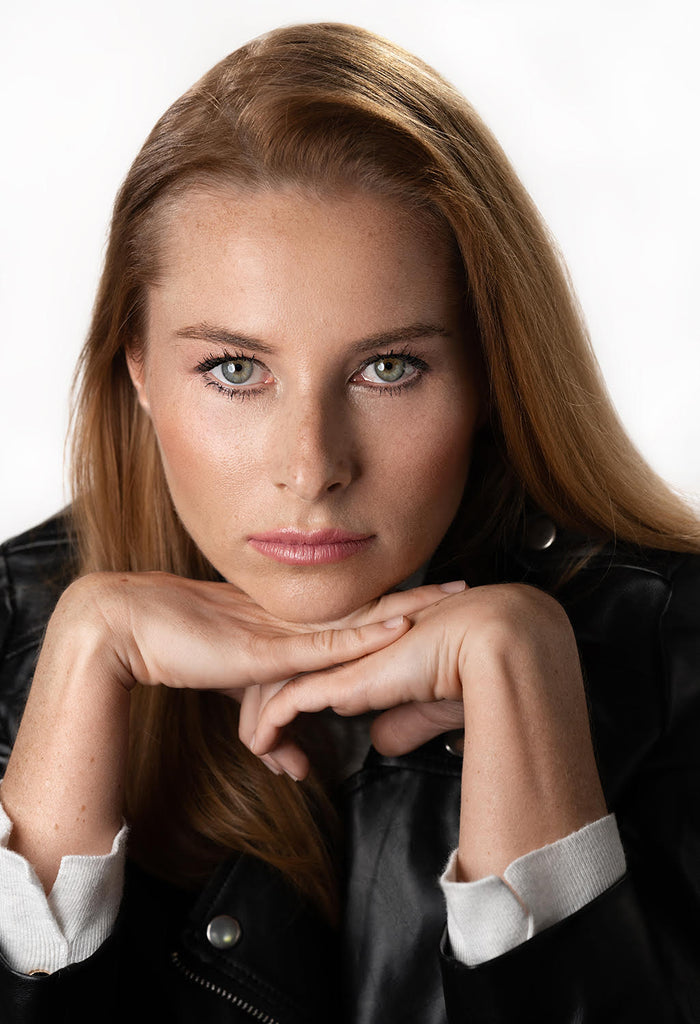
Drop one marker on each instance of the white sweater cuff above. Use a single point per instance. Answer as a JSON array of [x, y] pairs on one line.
[[492, 915], [44, 933]]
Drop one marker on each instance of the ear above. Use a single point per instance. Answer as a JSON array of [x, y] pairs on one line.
[[136, 366]]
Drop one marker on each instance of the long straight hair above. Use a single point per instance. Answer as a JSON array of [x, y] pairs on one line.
[[327, 107]]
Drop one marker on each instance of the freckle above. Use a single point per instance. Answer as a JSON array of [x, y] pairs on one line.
[[56, 826], [82, 808], [92, 760]]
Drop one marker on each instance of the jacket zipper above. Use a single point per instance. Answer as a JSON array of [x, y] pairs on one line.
[[260, 1015]]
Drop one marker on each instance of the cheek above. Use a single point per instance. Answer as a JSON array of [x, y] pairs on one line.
[[428, 470], [207, 458]]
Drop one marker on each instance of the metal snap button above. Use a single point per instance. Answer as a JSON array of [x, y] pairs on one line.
[[223, 932], [454, 742], [540, 533]]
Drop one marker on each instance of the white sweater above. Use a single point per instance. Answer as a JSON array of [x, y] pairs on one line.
[[484, 918]]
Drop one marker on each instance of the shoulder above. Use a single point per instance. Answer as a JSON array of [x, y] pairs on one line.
[[612, 577], [635, 598], [633, 606], [630, 601], [636, 615], [35, 568]]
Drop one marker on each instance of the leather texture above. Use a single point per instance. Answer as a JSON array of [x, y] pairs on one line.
[[632, 955]]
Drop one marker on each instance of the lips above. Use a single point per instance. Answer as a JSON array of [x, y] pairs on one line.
[[316, 547]]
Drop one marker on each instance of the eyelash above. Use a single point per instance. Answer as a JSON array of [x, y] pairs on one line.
[[408, 357], [214, 360]]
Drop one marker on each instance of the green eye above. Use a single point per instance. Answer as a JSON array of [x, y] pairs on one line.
[[390, 370], [237, 371]]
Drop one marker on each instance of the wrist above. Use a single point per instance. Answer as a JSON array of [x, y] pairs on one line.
[[63, 788], [529, 774], [87, 631]]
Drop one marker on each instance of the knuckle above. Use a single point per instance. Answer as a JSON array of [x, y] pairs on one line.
[[345, 708], [261, 659], [325, 642], [252, 648]]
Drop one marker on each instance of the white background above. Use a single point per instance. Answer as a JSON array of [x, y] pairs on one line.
[[595, 103]]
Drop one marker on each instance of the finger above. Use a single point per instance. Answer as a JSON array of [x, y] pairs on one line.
[[272, 659], [405, 602], [255, 698], [409, 726], [290, 758], [249, 713], [349, 690], [236, 693], [287, 757]]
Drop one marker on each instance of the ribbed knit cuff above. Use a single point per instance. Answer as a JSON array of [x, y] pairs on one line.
[[484, 918], [40, 933], [490, 916]]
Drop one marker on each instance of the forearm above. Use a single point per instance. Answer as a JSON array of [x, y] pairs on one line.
[[64, 782], [529, 794], [529, 773]]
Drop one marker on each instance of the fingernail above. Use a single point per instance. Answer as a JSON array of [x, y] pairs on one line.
[[272, 766], [394, 623], [279, 761], [251, 745], [454, 586], [280, 767]]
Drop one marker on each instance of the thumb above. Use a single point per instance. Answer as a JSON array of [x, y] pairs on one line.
[[409, 726]]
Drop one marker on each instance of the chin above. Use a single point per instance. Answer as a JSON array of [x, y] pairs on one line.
[[312, 599], [317, 608]]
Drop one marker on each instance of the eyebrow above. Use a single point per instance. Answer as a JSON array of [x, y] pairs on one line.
[[381, 340]]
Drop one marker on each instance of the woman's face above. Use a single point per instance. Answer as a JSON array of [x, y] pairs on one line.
[[311, 389]]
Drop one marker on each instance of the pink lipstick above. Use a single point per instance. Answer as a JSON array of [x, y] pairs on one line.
[[319, 547]]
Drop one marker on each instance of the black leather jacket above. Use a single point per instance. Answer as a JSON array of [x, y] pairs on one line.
[[632, 955]]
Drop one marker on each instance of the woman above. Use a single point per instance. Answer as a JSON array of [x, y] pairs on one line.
[[344, 469]]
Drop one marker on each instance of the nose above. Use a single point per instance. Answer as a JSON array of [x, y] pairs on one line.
[[313, 449]]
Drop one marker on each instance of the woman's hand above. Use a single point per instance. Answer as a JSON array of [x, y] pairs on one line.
[[184, 633], [390, 608], [187, 633], [64, 782], [503, 658]]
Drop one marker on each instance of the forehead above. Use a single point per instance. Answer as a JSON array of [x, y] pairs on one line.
[[205, 227], [275, 263]]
